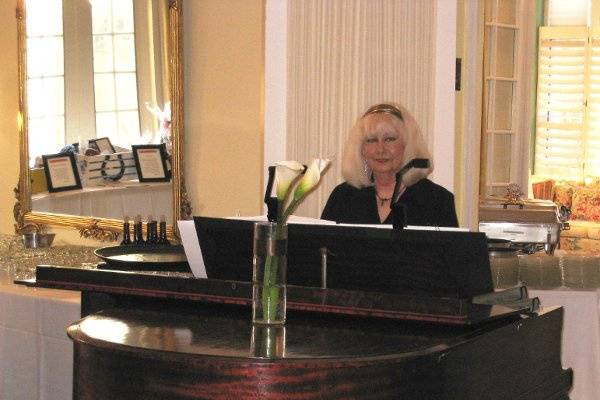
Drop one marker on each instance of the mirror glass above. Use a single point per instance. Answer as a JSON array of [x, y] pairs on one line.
[[97, 83]]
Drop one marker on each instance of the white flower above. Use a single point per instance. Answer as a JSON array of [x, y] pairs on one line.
[[286, 172], [311, 178], [163, 115]]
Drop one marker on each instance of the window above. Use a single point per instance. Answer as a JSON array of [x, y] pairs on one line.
[[568, 13], [45, 77], [568, 106], [500, 130], [115, 82], [98, 96], [567, 136]]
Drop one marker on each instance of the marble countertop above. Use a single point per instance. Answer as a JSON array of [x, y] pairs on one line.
[[18, 262]]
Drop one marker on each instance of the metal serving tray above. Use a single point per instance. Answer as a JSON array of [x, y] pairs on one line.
[[143, 258]]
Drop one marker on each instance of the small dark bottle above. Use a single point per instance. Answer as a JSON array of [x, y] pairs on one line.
[[138, 238], [162, 232], [126, 233], [151, 231]]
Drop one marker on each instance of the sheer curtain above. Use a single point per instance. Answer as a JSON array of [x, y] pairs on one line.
[[345, 55]]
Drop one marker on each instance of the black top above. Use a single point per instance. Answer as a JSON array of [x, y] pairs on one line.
[[427, 204]]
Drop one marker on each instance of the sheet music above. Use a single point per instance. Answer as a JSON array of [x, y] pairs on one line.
[[436, 228], [378, 226], [293, 219], [409, 227], [191, 246], [314, 221]]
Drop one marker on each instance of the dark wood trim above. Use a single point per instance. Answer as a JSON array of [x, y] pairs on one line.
[[447, 311]]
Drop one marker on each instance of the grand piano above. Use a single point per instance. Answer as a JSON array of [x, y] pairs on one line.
[[418, 321]]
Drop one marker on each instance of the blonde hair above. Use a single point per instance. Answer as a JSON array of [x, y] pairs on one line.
[[353, 163]]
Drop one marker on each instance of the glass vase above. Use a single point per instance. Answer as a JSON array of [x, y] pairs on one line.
[[267, 341], [269, 268]]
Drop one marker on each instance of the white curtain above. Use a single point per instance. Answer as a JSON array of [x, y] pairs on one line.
[[345, 55]]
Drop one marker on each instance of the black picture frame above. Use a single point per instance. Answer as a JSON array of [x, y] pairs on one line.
[[151, 162], [61, 172], [102, 144]]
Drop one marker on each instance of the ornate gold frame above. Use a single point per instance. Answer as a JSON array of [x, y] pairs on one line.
[[90, 227]]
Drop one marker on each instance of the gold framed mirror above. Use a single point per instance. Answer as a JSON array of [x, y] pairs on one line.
[[28, 218]]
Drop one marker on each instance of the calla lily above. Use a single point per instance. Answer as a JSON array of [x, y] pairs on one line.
[[286, 172], [161, 115], [311, 178]]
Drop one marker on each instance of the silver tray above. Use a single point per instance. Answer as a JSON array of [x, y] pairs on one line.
[[143, 258]]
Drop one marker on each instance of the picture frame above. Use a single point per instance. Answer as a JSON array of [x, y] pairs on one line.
[[61, 172], [103, 145], [151, 162]]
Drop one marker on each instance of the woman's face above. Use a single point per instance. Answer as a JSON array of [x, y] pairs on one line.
[[383, 146]]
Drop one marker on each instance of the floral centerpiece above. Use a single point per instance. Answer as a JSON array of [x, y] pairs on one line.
[[164, 119], [293, 184]]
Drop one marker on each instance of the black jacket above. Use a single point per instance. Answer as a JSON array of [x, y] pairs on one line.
[[426, 204]]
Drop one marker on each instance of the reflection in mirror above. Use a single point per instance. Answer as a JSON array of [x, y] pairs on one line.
[[97, 77], [97, 83]]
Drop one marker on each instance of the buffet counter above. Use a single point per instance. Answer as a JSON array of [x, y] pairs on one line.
[[36, 356]]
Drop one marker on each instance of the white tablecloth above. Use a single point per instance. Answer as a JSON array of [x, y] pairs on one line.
[[123, 199], [36, 356], [581, 337]]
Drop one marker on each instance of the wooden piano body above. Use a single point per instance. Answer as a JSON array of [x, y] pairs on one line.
[[159, 336]]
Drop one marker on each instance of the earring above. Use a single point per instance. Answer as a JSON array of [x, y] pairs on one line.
[[368, 171]]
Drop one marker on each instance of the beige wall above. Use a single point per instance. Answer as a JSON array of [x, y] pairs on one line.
[[223, 105], [223, 51], [9, 106]]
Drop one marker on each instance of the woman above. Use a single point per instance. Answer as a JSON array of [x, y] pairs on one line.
[[383, 140]]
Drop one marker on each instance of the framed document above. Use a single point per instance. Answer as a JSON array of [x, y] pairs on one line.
[[151, 162], [103, 145], [61, 172]]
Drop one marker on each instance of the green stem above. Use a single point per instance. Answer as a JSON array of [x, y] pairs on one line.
[[270, 294], [293, 204], [267, 300]]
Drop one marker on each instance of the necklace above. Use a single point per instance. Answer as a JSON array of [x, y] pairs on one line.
[[382, 200]]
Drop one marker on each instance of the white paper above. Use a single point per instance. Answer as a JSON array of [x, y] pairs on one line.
[[61, 172], [150, 163], [293, 219], [378, 226], [409, 227], [436, 228], [191, 246], [314, 221]]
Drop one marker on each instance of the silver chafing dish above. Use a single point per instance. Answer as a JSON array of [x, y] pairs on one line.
[[531, 225]]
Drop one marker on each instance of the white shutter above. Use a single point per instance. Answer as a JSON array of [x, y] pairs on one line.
[[559, 150], [592, 154]]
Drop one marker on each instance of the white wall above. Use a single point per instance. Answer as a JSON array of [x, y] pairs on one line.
[[443, 126]]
